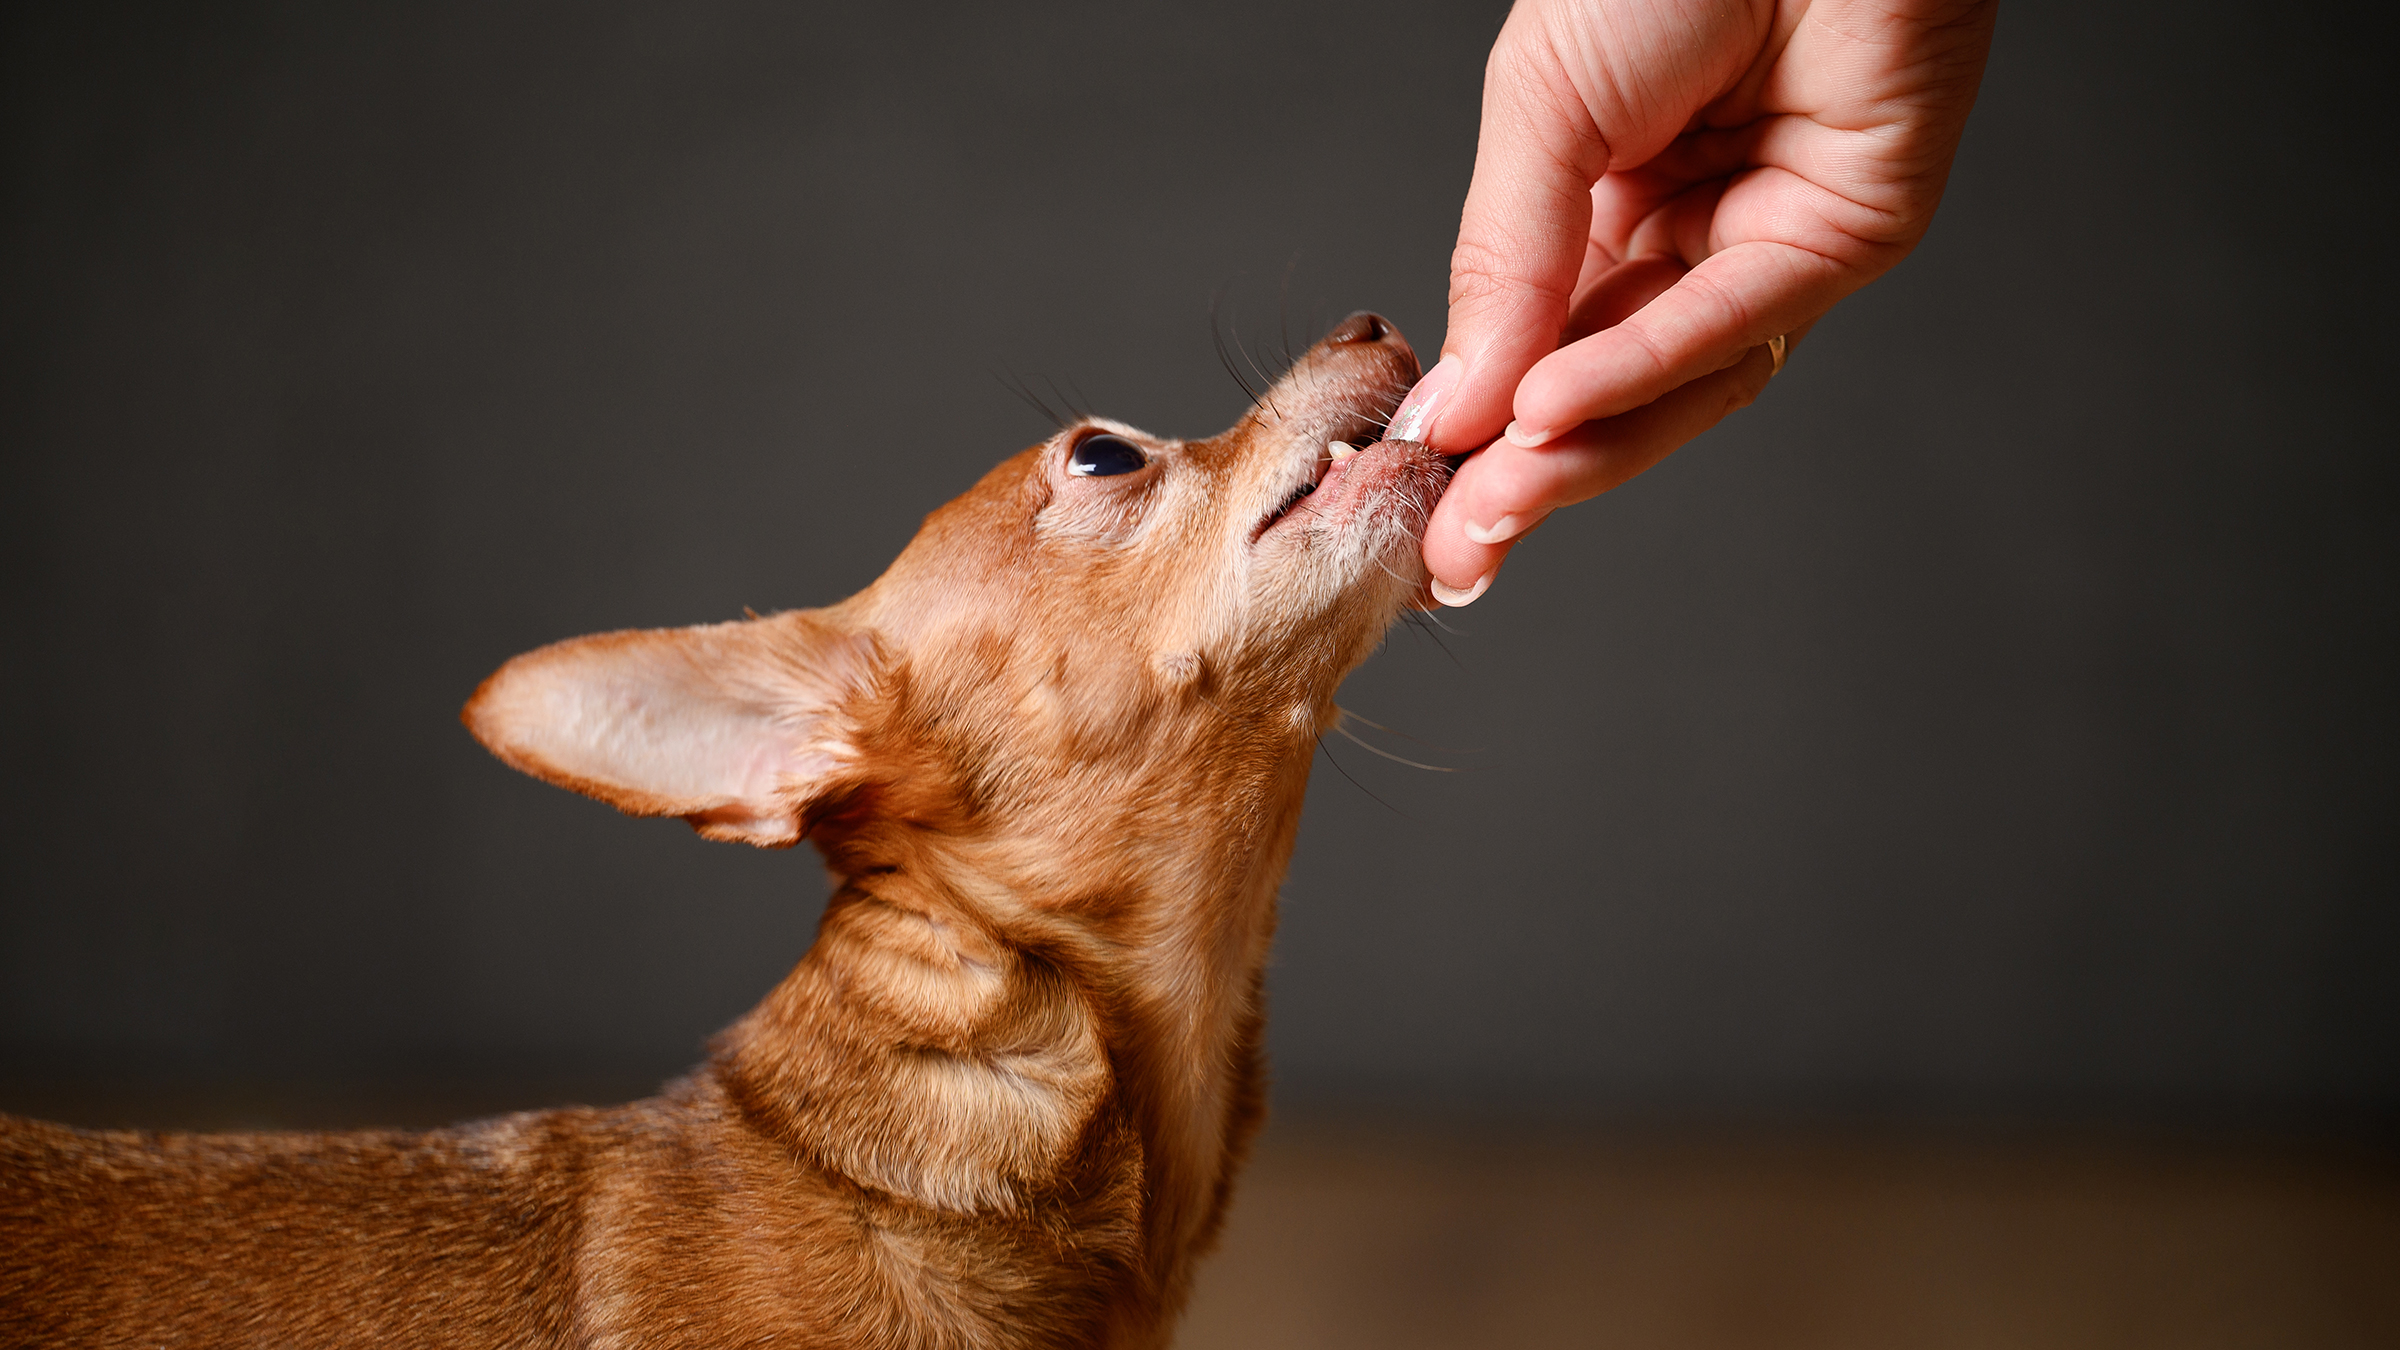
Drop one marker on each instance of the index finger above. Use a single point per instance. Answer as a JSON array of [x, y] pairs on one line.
[[1733, 301]]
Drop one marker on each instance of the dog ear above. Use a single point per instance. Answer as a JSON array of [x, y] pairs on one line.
[[732, 726]]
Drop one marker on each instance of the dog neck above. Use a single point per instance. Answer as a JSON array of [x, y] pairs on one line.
[[1033, 994]]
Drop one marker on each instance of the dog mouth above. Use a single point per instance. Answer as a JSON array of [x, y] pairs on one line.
[[1356, 435], [1316, 478]]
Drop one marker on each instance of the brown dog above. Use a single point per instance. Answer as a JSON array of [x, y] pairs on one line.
[[1054, 759]]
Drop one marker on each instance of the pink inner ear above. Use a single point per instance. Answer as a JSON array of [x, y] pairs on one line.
[[722, 724], [636, 717], [693, 721]]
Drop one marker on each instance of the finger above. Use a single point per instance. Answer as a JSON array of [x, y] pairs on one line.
[[1500, 494], [1617, 294], [1522, 239], [1733, 301], [1607, 297]]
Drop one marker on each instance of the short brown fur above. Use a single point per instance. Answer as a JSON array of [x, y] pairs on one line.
[[1054, 759]]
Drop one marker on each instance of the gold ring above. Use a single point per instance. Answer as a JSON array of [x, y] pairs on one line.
[[1776, 346]]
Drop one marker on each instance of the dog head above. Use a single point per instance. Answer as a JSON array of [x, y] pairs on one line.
[[1109, 637]]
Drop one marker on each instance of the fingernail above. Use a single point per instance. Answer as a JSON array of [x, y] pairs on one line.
[[1458, 599], [1529, 437], [1414, 421], [1505, 528]]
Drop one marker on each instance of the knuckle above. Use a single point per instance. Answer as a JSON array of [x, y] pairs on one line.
[[1715, 294], [1482, 272], [1476, 268], [1649, 349], [1746, 383]]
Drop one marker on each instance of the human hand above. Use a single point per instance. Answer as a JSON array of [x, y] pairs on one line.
[[1660, 189]]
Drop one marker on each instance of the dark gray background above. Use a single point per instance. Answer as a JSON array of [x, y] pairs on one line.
[[1993, 720]]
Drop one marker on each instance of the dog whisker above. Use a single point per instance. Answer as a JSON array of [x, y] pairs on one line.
[[1373, 750]]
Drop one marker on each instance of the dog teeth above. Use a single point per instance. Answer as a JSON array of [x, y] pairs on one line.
[[1340, 450]]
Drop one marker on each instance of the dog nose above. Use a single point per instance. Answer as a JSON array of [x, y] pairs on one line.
[[1364, 326]]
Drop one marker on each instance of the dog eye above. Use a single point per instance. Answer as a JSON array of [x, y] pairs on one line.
[[1104, 455]]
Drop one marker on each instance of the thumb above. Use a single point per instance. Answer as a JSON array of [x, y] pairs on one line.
[[1522, 240]]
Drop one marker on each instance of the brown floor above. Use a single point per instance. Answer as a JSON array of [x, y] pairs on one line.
[[1348, 1234], [1358, 1237]]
